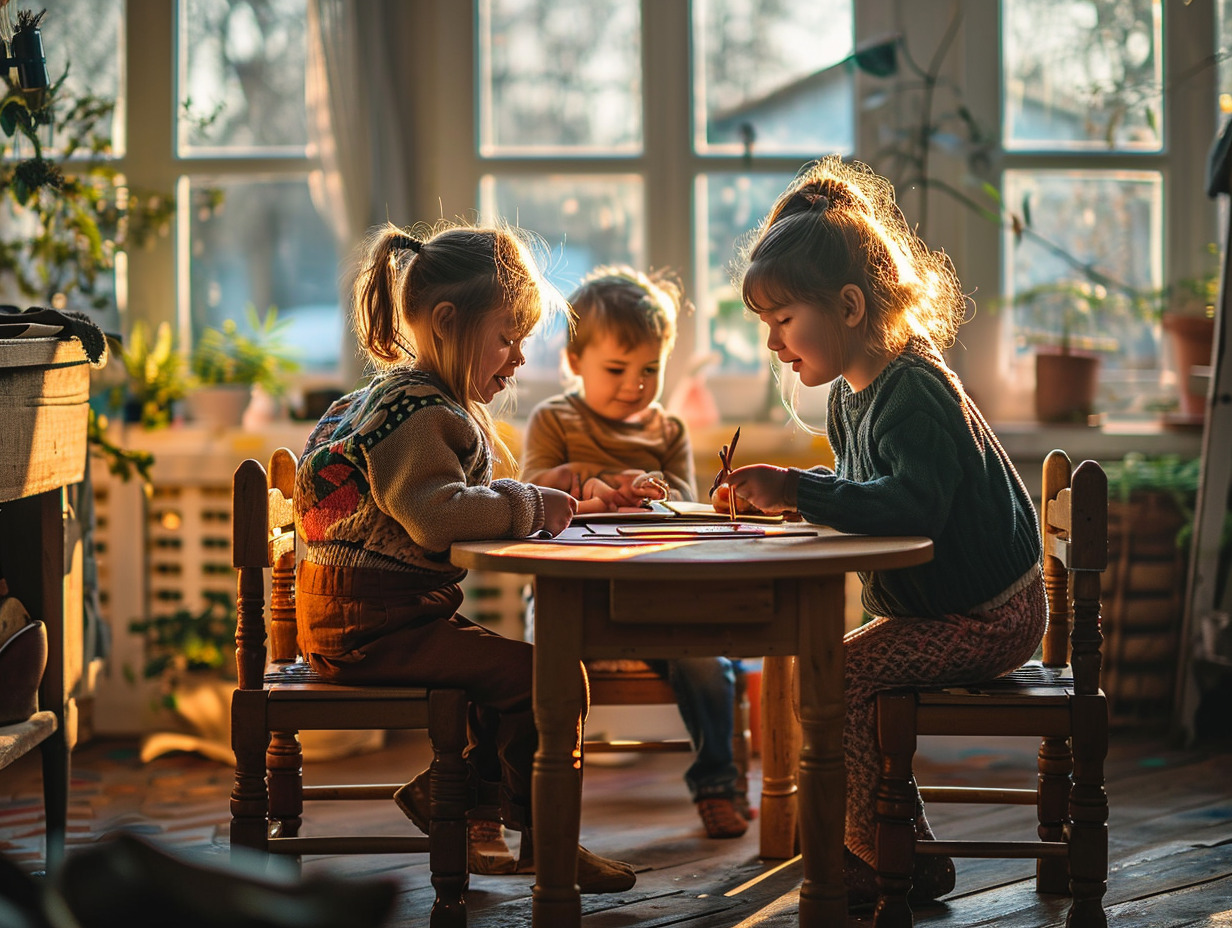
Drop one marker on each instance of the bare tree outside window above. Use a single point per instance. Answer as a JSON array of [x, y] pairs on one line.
[[242, 65]]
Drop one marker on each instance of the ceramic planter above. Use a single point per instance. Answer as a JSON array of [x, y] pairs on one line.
[[1065, 387], [219, 406]]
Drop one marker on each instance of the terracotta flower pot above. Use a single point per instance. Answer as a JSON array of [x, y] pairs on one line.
[[1065, 387], [1192, 338]]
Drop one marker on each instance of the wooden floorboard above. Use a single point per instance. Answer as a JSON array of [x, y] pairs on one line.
[[1170, 836]]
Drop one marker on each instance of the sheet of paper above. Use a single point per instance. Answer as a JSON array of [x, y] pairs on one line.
[[706, 512], [671, 512], [692, 529]]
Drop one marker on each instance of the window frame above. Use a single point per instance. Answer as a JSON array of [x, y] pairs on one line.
[[158, 276], [441, 122], [1188, 218]]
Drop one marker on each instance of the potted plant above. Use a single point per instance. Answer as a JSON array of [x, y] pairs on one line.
[[1188, 316], [183, 643], [1066, 321], [157, 376], [228, 362], [192, 656], [1150, 531]]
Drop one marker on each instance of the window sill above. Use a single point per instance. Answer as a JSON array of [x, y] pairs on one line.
[[1031, 441]]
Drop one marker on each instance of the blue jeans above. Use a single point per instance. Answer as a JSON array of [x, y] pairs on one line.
[[705, 693]]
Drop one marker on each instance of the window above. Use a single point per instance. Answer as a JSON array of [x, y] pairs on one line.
[[1085, 77], [1087, 129], [1072, 129], [45, 271], [658, 132], [597, 138], [252, 232], [235, 155]]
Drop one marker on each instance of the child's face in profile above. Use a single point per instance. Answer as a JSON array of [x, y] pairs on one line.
[[619, 382], [809, 339], [500, 356]]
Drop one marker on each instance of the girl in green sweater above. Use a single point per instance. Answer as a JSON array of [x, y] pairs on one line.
[[852, 297]]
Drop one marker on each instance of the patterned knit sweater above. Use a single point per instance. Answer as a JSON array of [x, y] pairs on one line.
[[394, 473], [564, 430], [914, 456]]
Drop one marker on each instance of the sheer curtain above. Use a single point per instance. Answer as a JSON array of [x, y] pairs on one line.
[[355, 124]]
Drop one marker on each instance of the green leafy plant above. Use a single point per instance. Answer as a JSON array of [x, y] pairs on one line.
[[185, 641], [1074, 314], [253, 357], [73, 212], [1171, 474], [1194, 296], [1175, 477], [157, 374]]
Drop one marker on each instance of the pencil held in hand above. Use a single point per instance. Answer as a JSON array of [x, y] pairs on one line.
[[725, 459]]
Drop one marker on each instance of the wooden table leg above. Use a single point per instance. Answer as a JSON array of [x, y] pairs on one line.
[[780, 757], [823, 782], [556, 792]]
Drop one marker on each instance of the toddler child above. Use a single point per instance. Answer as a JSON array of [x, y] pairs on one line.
[[613, 444]]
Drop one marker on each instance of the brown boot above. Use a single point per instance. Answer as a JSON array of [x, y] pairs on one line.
[[931, 877], [721, 818], [486, 851], [595, 874], [603, 875], [414, 799]]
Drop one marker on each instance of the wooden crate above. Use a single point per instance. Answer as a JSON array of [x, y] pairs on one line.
[[44, 388]]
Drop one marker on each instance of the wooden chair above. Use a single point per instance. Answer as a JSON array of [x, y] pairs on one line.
[[1057, 699], [279, 696]]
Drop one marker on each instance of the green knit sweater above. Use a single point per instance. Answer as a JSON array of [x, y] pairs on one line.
[[914, 456]]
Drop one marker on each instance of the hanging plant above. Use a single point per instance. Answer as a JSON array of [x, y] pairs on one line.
[[72, 212]]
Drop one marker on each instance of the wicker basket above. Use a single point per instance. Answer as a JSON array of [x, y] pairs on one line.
[[44, 389]]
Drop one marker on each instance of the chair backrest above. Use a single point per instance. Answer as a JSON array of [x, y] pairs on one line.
[[1074, 524], [263, 538]]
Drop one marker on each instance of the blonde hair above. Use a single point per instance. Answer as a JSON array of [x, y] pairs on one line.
[[837, 224], [634, 307], [480, 270]]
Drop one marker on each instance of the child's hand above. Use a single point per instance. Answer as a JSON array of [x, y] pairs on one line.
[[764, 486], [601, 496], [719, 501], [592, 505], [558, 510], [631, 487], [648, 486]]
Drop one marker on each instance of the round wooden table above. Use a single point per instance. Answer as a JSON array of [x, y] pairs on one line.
[[775, 597]]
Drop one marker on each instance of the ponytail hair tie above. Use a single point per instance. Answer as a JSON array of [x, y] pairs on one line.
[[818, 201], [405, 241]]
